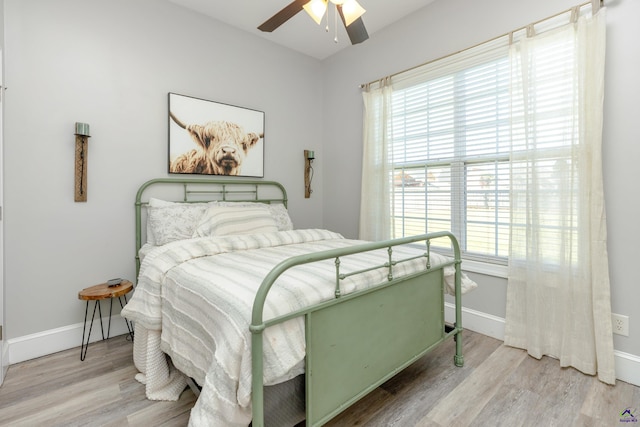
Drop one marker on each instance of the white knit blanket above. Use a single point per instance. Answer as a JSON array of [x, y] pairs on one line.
[[193, 302]]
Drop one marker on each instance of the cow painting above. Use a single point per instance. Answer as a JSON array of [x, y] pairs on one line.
[[221, 147]]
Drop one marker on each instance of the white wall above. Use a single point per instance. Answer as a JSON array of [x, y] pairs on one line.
[[445, 27], [111, 64]]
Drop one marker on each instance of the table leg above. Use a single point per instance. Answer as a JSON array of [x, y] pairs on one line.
[[84, 347], [110, 310], [100, 313]]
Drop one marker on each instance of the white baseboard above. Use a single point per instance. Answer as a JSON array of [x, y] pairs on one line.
[[627, 365], [59, 339], [54, 340], [4, 366], [476, 321]]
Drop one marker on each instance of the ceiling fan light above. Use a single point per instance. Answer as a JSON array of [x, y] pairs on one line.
[[316, 9], [351, 10]]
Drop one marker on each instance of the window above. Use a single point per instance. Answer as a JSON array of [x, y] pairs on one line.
[[449, 145]]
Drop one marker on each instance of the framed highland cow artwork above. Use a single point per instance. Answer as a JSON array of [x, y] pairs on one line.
[[210, 138]]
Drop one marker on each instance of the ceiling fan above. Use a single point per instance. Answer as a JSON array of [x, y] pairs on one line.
[[350, 13]]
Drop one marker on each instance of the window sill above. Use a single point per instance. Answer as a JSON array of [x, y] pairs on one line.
[[486, 268]]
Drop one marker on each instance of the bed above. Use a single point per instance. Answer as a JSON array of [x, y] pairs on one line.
[[276, 325]]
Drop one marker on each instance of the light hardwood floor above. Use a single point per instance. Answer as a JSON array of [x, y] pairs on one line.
[[498, 386]]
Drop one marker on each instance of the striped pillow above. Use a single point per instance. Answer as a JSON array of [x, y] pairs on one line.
[[228, 220], [278, 212]]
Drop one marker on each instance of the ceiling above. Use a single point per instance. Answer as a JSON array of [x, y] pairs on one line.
[[301, 33]]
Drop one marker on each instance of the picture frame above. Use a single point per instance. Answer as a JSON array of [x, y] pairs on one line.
[[212, 138]]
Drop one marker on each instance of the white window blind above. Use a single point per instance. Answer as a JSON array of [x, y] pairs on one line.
[[450, 149]]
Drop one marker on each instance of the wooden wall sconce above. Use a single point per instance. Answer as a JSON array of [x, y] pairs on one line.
[[308, 172], [82, 151]]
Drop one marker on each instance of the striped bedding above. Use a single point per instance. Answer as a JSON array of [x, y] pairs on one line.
[[193, 302]]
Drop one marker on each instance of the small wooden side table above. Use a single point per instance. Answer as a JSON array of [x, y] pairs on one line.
[[96, 294]]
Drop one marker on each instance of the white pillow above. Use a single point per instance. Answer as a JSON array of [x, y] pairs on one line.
[[169, 221], [278, 212], [228, 220], [281, 216]]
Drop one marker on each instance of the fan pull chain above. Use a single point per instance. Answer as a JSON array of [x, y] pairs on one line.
[[326, 29], [335, 23]]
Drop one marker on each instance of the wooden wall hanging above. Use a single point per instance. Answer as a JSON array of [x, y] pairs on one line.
[[82, 151], [308, 172]]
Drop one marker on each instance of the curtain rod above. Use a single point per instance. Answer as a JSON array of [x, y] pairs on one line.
[[595, 4]]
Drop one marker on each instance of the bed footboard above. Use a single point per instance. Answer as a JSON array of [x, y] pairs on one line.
[[362, 342], [356, 342]]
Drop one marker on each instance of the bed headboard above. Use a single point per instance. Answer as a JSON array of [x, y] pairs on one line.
[[201, 190]]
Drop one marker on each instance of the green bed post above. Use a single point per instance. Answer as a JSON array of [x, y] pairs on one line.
[[257, 390], [458, 359], [138, 237], [257, 328], [138, 208]]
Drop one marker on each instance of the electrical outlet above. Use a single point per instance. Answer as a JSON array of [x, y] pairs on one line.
[[620, 324]]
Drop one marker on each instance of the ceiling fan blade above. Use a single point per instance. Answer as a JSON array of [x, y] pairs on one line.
[[283, 16], [356, 31]]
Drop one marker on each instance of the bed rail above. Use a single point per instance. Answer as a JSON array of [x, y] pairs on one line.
[[331, 316]]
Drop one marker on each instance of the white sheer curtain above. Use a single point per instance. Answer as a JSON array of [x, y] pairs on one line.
[[375, 210], [558, 301]]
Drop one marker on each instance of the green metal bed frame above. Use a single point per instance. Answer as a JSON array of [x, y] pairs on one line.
[[354, 342]]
